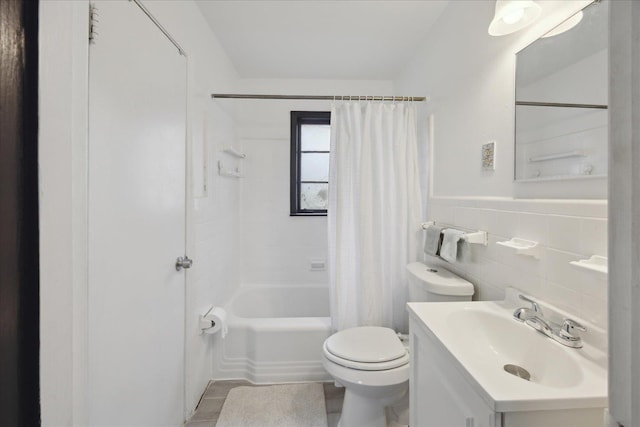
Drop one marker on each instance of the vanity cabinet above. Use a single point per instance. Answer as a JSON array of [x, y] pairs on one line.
[[441, 394]]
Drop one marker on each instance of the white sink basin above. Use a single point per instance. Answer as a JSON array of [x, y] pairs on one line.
[[483, 337], [497, 341]]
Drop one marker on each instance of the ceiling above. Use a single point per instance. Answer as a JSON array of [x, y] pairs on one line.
[[321, 39]]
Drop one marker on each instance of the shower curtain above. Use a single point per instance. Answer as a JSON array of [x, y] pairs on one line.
[[374, 212]]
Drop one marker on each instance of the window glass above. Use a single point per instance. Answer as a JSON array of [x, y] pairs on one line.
[[314, 196], [314, 167], [315, 137]]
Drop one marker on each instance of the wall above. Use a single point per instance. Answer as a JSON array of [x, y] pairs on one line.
[[469, 77], [62, 162], [276, 247], [213, 219], [624, 208]]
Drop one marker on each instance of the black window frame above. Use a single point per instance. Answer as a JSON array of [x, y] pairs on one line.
[[299, 118]]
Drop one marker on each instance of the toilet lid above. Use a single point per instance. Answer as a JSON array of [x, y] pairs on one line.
[[368, 344]]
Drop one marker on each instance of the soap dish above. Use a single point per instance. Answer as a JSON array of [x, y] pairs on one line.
[[596, 263], [522, 247]]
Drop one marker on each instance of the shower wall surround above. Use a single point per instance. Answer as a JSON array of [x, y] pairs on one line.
[[469, 77], [277, 248]]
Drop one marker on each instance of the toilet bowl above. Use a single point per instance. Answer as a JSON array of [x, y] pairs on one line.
[[373, 366], [372, 363]]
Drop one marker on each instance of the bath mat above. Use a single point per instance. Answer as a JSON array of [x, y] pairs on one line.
[[282, 405]]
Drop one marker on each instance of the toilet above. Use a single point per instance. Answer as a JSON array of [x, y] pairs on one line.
[[372, 363]]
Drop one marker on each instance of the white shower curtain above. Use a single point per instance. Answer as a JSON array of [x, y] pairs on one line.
[[374, 212]]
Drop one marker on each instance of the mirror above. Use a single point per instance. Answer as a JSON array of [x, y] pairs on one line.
[[561, 100]]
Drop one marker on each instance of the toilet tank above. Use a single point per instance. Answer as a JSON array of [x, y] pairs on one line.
[[435, 284]]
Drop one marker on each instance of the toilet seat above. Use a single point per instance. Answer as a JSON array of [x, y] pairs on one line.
[[366, 348]]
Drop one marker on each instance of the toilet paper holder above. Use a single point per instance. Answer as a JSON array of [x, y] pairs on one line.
[[214, 321], [205, 323]]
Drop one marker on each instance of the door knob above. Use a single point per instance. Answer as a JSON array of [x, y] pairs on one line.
[[183, 263]]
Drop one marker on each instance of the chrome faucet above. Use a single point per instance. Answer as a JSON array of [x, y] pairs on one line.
[[524, 313], [564, 334]]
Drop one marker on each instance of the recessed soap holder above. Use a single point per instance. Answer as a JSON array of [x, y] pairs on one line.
[[523, 247], [596, 263]]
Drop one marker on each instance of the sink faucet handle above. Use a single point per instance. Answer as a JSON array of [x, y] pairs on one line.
[[534, 305], [568, 326]]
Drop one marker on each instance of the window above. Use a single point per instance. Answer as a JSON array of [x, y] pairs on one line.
[[310, 141]]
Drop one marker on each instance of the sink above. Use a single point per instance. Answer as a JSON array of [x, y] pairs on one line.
[[481, 338], [498, 340]]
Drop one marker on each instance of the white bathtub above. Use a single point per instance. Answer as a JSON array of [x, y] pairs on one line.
[[276, 334]]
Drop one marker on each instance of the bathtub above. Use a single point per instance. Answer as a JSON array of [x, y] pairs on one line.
[[275, 334]]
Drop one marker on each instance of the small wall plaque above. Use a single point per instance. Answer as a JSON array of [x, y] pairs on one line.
[[488, 156]]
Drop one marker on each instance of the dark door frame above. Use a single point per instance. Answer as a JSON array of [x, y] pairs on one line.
[[19, 251]]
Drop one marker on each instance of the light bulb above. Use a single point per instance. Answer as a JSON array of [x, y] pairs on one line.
[[513, 17]]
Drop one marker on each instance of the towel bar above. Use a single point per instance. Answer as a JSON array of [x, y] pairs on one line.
[[476, 237]]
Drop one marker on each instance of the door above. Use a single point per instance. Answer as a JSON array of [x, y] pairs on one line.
[[137, 113]]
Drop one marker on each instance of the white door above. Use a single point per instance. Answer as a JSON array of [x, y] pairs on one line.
[[137, 113]]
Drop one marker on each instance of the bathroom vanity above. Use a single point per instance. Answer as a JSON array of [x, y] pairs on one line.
[[459, 352]]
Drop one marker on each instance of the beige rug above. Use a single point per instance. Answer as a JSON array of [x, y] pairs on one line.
[[283, 405]]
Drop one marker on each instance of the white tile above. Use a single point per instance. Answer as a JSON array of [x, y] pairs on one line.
[[514, 276], [595, 310], [465, 217], [530, 266], [563, 298], [504, 223], [593, 284], [559, 270], [485, 291], [533, 227], [593, 236], [474, 218], [492, 250], [564, 233], [584, 208], [504, 275], [281, 266], [526, 265]]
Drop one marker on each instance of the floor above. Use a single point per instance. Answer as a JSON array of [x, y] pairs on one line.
[[210, 406]]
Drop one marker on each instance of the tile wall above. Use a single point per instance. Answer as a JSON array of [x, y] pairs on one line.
[[566, 231]]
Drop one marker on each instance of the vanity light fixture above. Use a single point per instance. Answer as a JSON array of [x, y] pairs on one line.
[[513, 15]]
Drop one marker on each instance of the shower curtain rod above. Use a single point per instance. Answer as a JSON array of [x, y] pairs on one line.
[[320, 97]]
